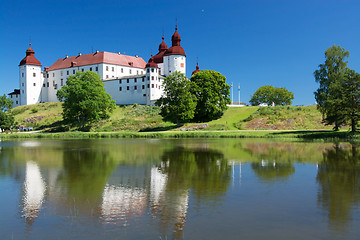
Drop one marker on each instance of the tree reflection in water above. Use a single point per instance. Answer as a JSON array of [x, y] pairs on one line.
[[271, 171], [204, 171], [339, 179]]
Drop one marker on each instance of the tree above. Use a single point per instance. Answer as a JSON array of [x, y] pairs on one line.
[[177, 105], [269, 94], [85, 99], [338, 95], [327, 75], [6, 118], [212, 94]]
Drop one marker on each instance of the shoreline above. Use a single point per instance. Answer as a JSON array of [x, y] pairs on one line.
[[323, 135]]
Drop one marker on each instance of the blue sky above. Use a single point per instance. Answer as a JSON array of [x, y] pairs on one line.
[[252, 43]]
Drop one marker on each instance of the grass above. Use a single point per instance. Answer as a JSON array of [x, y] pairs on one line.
[[139, 121]]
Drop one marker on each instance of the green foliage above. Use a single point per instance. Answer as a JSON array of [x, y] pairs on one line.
[[178, 104], [338, 95], [5, 103], [34, 110], [269, 94], [85, 99], [212, 95], [6, 118]]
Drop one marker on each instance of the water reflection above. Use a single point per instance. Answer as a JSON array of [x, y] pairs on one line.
[[271, 171], [339, 180], [34, 192], [160, 185]]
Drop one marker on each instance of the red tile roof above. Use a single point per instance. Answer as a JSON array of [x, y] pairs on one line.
[[96, 58], [30, 57]]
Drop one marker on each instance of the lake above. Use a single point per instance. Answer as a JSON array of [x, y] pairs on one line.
[[179, 189]]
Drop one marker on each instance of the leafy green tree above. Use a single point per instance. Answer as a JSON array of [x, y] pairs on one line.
[[85, 99], [177, 105], [269, 94], [212, 94], [350, 99], [6, 118], [329, 77]]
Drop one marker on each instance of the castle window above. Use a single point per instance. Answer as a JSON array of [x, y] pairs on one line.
[[47, 75], [44, 85], [120, 81], [135, 87], [152, 70], [130, 71], [144, 95], [47, 84], [120, 88], [148, 85], [122, 70], [160, 71], [141, 72], [107, 68], [81, 70], [152, 85], [17, 102], [107, 76], [62, 82], [22, 91], [34, 74], [148, 78], [148, 70], [53, 83], [143, 86], [112, 69], [22, 84], [127, 80], [152, 77], [22, 74], [134, 79], [55, 86], [67, 72], [143, 79], [91, 69], [73, 71], [156, 86], [182, 65], [61, 73], [127, 88], [34, 84], [53, 74], [137, 72], [16, 96], [97, 68], [10, 96]]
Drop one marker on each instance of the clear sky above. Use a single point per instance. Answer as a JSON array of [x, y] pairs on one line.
[[252, 43]]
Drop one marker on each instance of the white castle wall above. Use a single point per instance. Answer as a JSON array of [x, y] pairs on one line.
[[31, 81], [173, 63]]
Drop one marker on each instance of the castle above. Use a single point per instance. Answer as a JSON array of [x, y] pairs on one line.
[[128, 79]]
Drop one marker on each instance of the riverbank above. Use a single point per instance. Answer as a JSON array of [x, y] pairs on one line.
[[324, 135]]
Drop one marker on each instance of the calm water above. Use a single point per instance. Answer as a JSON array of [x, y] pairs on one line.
[[179, 189]]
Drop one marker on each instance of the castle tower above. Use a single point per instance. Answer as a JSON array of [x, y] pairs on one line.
[[174, 57], [31, 79], [153, 82], [159, 57], [196, 70]]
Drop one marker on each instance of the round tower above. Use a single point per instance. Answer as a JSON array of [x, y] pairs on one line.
[[31, 79], [153, 82], [175, 57], [196, 70]]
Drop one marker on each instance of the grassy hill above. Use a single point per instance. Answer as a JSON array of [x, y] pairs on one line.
[[47, 116]]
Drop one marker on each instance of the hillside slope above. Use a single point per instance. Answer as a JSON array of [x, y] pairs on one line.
[[47, 116]]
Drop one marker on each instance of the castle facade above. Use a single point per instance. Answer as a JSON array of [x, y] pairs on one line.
[[128, 79]]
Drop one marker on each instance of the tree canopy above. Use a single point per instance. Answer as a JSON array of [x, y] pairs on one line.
[[338, 96], [212, 94], [6, 118], [84, 99], [177, 104], [269, 94]]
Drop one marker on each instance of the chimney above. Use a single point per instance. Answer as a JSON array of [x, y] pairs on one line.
[[97, 51], [66, 56], [80, 54], [119, 53], [136, 56]]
